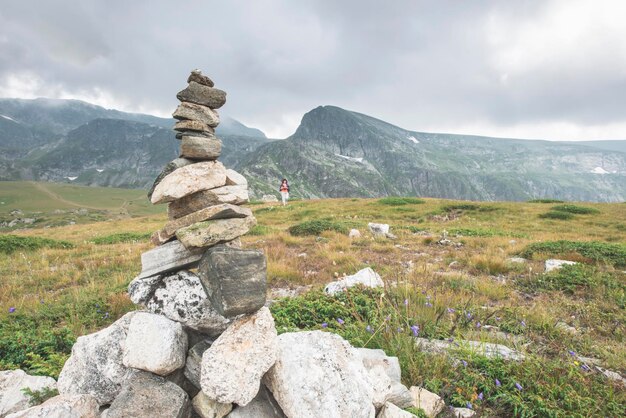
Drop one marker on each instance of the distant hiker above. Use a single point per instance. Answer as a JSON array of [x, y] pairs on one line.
[[284, 191]]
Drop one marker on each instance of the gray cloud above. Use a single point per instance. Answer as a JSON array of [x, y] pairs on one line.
[[551, 69]]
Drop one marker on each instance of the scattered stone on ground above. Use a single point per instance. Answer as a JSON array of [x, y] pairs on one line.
[[517, 260], [488, 350], [354, 233], [365, 277], [378, 229], [554, 264], [463, 412], [269, 198]]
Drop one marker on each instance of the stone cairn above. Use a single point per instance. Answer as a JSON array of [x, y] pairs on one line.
[[204, 344]]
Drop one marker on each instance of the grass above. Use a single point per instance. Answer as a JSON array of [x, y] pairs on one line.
[[58, 294], [121, 237], [545, 201], [563, 216], [578, 210], [398, 201], [12, 243]]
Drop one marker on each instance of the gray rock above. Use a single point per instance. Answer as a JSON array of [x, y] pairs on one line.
[[318, 374], [199, 148], [431, 403], [169, 168], [205, 407], [366, 277], [235, 195], [192, 111], [233, 366], [269, 198], [376, 357], [168, 257], [179, 379], [463, 412], [554, 264], [148, 396], [202, 95], [209, 233], [517, 260], [95, 366], [180, 297], [488, 350], [62, 406], [189, 179], [378, 229], [205, 134], [191, 125], [262, 406], [381, 385], [12, 384], [155, 344], [198, 77], [354, 233], [235, 280], [233, 178], [392, 411], [193, 365], [220, 211]]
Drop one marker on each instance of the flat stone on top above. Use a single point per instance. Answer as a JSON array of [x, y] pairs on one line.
[[202, 95]]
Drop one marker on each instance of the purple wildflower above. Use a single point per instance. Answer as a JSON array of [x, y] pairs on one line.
[[468, 315], [585, 367], [399, 329], [523, 323], [498, 383], [478, 324], [388, 318], [415, 329], [498, 318], [468, 405], [11, 309], [518, 386], [464, 363], [450, 310], [427, 297], [571, 353], [106, 315], [428, 304], [369, 329], [406, 302], [340, 321], [324, 324], [480, 396]]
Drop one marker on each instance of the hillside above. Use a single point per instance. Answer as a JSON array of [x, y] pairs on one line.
[[335, 152], [568, 325]]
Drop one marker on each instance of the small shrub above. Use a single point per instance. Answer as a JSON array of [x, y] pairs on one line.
[[612, 253], [316, 227], [579, 210], [460, 206], [37, 397], [122, 237], [398, 201], [470, 232], [11, 243], [563, 216], [258, 230], [545, 201]]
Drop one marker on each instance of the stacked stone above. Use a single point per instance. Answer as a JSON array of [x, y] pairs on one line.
[[204, 345]]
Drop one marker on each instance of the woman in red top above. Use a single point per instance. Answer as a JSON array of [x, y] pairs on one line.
[[284, 191]]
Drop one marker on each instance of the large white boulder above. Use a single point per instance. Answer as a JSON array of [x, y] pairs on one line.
[[95, 366], [554, 264], [233, 366], [155, 344], [63, 406], [12, 385], [319, 374], [366, 277]]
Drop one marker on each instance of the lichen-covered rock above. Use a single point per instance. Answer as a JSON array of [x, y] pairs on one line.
[[318, 374], [148, 396], [365, 277], [63, 406], [180, 297], [233, 366], [169, 168], [168, 257], [189, 179], [155, 343], [192, 111], [12, 385], [95, 366], [208, 233], [199, 148], [198, 77], [205, 407]]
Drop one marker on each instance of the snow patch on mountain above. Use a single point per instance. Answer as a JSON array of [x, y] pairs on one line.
[[412, 139], [6, 117], [358, 160], [599, 170]]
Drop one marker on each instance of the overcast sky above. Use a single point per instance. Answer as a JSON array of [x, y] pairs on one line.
[[527, 69]]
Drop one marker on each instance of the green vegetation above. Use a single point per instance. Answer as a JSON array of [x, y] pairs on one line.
[[50, 296], [546, 201], [579, 210], [121, 237], [38, 397], [460, 206], [563, 216], [316, 227], [398, 201], [614, 254], [12, 243]]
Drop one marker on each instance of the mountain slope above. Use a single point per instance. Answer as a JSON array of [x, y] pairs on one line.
[[425, 164]]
